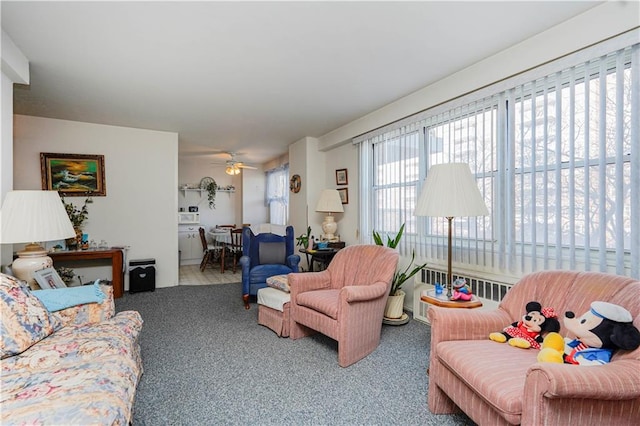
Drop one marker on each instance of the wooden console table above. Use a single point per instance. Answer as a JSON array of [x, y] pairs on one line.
[[115, 255]]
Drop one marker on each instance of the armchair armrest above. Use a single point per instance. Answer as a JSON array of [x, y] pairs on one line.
[[464, 324], [360, 293], [308, 281], [614, 381], [293, 261], [90, 313]]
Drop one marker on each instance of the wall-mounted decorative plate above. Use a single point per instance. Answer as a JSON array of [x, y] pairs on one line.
[[205, 181], [295, 183]]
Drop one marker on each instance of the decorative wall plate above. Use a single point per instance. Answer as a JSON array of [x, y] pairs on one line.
[[205, 181], [295, 183]]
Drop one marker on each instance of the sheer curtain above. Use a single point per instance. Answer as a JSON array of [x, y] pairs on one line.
[[278, 195], [555, 152]]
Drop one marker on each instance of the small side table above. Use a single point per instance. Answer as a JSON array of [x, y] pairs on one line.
[[322, 256], [442, 300], [425, 295]]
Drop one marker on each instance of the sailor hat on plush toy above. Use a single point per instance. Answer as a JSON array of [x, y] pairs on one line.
[[611, 312]]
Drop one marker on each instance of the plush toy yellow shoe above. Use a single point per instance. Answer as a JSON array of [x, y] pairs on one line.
[[498, 337], [552, 349], [519, 342]]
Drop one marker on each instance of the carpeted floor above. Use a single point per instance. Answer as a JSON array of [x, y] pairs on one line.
[[207, 362]]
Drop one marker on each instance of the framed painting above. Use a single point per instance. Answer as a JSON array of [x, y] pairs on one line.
[[341, 177], [73, 174], [344, 195], [48, 278]]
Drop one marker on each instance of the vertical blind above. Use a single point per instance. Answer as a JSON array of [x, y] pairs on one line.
[[556, 157]]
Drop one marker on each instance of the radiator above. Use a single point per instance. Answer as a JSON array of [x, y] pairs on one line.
[[484, 289], [490, 292]]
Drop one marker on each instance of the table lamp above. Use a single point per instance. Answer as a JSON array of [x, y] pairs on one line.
[[329, 202], [450, 191], [30, 217]]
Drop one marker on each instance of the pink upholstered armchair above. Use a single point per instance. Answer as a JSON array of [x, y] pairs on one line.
[[496, 384], [346, 301]]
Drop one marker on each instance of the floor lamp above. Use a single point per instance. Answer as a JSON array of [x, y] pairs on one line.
[[31, 217], [450, 191]]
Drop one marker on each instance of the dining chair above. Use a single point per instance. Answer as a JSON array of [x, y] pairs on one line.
[[211, 252], [233, 249]]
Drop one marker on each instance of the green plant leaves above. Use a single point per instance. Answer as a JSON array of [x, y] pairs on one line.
[[400, 277]]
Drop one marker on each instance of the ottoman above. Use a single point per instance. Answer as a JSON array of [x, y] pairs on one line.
[[273, 310]]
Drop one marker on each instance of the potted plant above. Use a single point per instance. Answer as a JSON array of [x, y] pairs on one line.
[[303, 240], [77, 216], [211, 193], [395, 301]]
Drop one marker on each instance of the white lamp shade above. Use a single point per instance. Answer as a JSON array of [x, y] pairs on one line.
[[30, 216], [450, 191], [330, 202]]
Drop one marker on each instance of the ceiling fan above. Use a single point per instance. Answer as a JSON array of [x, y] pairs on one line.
[[233, 165]]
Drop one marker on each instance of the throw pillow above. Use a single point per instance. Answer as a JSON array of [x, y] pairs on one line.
[[272, 253], [25, 320], [281, 282]]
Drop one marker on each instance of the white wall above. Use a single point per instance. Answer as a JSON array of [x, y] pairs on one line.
[[252, 208], [344, 157], [15, 69], [141, 171]]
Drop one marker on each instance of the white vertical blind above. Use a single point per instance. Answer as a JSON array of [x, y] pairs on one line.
[[556, 158]]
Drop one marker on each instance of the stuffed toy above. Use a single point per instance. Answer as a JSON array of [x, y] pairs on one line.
[[461, 290], [599, 332], [527, 333]]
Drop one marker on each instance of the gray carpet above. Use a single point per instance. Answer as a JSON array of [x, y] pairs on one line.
[[207, 361]]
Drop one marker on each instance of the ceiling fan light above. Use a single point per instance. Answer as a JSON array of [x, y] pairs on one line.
[[232, 170]]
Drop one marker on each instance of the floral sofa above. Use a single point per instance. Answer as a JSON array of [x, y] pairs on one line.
[[80, 365]]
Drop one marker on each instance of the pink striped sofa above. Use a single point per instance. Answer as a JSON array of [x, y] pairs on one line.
[[496, 384], [346, 301]]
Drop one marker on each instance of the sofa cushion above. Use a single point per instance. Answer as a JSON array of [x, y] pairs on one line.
[[25, 320], [281, 282], [90, 313], [324, 301], [495, 371]]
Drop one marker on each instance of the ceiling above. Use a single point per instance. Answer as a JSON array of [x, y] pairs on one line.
[[251, 77]]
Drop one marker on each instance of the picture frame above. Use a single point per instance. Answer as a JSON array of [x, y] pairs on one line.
[[48, 278], [341, 177], [73, 175], [344, 195]]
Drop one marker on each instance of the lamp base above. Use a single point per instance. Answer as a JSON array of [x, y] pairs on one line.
[[329, 228], [31, 259]]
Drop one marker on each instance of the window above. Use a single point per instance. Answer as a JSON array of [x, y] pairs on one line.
[[278, 195], [556, 157]]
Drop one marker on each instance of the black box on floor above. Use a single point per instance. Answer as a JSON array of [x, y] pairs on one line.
[[142, 275]]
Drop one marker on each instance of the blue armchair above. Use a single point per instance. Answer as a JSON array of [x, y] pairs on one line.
[[263, 256]]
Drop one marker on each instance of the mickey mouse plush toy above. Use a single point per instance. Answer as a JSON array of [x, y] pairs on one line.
[[527, 332], [599, 331]]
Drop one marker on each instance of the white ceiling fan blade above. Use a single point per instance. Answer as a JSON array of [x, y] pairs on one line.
[[244, 166]]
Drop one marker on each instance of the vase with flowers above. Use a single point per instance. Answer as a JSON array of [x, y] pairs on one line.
[[77, 216]]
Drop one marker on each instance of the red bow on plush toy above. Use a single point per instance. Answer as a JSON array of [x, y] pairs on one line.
[[527, 332]]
